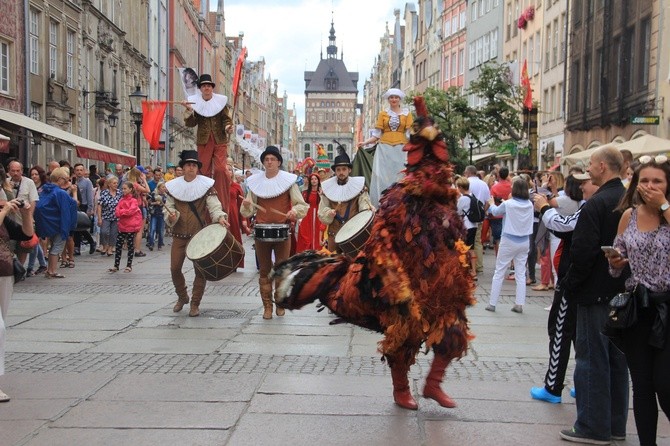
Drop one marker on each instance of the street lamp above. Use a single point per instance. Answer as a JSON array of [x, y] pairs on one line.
[[136, 99], [472, 146]]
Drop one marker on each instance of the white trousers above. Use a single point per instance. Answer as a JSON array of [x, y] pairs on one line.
[[509, 251], [6, 291]]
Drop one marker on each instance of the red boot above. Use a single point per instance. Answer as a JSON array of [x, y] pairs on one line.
[[401, 393], [432, 388]]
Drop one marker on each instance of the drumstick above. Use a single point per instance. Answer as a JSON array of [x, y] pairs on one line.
[[276, 211], [257, 206]]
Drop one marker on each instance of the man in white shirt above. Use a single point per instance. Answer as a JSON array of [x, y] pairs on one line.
[[480, 190], [24, 189]]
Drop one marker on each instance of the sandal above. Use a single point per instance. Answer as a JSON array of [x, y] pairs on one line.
[[64, 264], [540, 287], [49, 275], [129, 269], [113, 270], [70, 264]]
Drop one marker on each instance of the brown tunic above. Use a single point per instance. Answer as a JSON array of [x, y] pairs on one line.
[[188, 224], [281, 203]]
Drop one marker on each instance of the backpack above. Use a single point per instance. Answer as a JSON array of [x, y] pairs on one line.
[[475, 213]]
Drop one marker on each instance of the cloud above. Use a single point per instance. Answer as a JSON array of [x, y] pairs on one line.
[[291, 35]]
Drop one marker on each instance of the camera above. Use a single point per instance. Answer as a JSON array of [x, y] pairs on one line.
[[20, 203]]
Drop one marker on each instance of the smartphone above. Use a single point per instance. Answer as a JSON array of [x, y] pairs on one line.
[[609, 250], [535, 182]]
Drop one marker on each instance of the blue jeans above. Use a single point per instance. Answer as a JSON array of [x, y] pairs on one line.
[[36, 254], [156, 226], [601, 377]]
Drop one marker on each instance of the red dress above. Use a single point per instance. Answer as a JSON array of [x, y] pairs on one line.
[[309, 233], [234, 217]]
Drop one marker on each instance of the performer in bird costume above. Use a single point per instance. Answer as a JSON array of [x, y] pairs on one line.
[[411, 280]]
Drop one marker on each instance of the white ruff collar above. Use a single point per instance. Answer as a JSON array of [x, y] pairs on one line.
[[184, 190], [208, 108], [265, 187], [340, 193], [403, 111]]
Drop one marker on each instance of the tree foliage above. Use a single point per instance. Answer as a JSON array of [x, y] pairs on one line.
[[495, 123]]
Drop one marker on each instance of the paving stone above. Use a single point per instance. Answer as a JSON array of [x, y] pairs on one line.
[[134, 437]]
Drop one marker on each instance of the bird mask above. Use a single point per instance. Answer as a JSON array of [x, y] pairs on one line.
[[425, 138]]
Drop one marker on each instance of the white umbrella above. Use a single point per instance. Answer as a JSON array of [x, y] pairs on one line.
[[644, 145]]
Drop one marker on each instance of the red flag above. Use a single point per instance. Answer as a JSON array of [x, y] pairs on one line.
[[153, 113], [237, 76], [525, 83]]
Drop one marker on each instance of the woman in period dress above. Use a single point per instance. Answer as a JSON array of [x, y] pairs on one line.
[[391, 132], [309, 233], [238, 225]]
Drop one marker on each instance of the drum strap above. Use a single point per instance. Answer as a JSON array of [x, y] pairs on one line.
[[344, 218], [195, 212]]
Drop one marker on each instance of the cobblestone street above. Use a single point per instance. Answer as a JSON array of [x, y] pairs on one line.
[[102, 359]]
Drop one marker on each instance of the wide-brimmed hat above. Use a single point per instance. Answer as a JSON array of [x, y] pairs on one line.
[[394, 92], [189, 156], [206, 79], [272, 150], [342, 160], [581, 176]]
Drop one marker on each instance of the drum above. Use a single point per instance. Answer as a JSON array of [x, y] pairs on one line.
[[271, 232], [352, 236], [214, 252]]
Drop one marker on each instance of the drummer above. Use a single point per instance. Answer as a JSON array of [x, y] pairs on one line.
[[343, 197], [275, 198], [191, 204]]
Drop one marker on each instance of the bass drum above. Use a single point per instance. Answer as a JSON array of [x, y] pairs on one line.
[[352, 236], [214, 252]]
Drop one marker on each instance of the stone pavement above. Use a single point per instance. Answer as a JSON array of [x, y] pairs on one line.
[[99, 358]]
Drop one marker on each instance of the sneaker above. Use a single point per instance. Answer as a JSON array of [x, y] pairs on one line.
[[29, 273], [40, 270], [573, 393], [91, 250], [3, 397], [77, 252], [572, 435], [151, 248], [490, 308], [618, 437], [517, 309], [542, 394]]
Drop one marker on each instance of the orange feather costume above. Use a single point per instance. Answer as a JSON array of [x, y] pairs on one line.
[[410, 281]]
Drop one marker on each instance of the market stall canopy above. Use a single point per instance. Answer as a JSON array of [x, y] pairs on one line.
[[644, 145], [85, 148]]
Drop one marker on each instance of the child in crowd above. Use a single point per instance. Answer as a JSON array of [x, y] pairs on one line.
[[130, 223], [157, 200]]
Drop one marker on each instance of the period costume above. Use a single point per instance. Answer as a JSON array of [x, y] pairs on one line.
[[310, 233], [276, 196], [346, 199], [389, 160], [195, 204], [410, 281], [212, 117]]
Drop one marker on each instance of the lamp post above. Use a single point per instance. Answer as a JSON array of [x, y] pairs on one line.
[[136, 99], [472, 146]]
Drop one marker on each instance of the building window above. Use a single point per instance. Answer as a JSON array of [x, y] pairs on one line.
[[531, 57], [447, 27], [494, 43], [447, 73], [33, 25], [454, 66], [645, 53], [479, 52], [4, 67], [508, 28], [462, 18], [471, 56], [546, 115], [461, 61], [547, 47], [53, 47], [473, 11], [487, 47], [71, 36]]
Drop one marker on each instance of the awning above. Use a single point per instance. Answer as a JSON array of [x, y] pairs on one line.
[[483, 156], [85, 147]]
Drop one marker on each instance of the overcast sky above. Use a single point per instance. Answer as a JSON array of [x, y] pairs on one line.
[[291, 34]]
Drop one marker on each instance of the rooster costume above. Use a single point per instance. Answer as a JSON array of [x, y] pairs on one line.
[[410, 281]]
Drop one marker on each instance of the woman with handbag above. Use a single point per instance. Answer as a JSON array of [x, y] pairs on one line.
[[643, 245], [10, 230]]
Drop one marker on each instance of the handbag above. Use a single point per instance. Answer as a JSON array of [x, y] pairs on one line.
[[19, 271], [622, 311], [83, 222]]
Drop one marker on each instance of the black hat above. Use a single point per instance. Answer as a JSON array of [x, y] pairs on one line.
[[342, 159], [189, 156], [206, 79], [272, 150]]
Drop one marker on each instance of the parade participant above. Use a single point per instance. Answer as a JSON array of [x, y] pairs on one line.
[[309, 231], [212, 114], [189, 199], [274, 197], [130, 222], [343, 197], [391, 131], [238, 225]]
